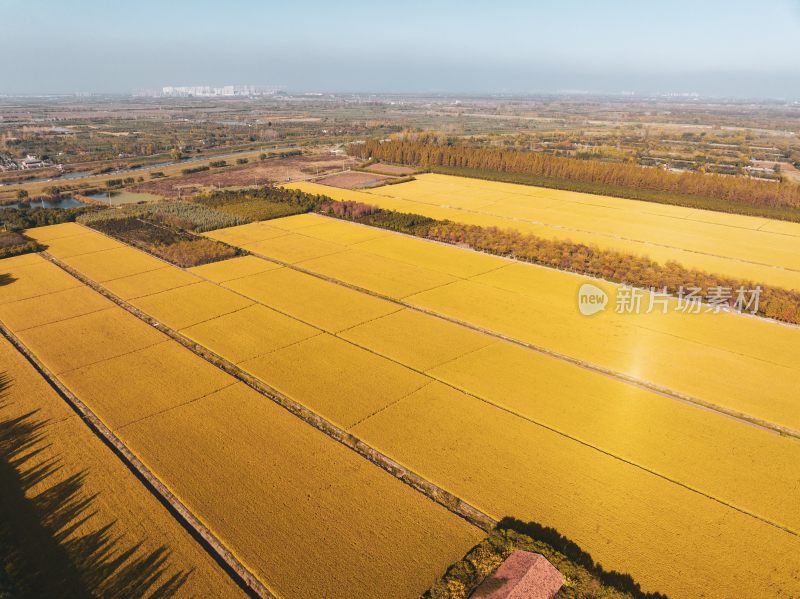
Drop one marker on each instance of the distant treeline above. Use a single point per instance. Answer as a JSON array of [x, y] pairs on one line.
[[28, 218], [602, 175], [638, 271], [196, 169]]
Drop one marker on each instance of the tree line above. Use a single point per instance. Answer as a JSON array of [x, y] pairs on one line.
[[618, 267], [612, 175]]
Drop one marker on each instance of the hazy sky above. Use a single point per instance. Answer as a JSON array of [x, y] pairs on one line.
[[715, 47]]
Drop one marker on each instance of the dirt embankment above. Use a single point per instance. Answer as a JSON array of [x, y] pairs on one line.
[[353, 180], [390, 169]]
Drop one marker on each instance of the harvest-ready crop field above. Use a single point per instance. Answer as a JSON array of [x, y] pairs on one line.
[[118, 535], [306, 515], [728, 244], [624, 470], [539, 306]]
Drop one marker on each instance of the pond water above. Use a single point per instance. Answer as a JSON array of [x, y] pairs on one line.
[[115, 198], [74, 175], [60, 203]]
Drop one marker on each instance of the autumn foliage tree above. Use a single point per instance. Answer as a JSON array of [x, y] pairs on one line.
[[732, 189]]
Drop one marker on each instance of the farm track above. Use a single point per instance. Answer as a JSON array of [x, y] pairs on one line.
[[208, 541], [434, 492]]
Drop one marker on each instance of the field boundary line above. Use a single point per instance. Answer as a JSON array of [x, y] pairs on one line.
[[431, 490], [183, 515]]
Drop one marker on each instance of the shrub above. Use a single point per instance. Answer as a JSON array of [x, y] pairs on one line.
[[165, 240], [186, 215], [194, 252], [28, 218], [259, 204], [14, 244], [583, 578], [196, 169]]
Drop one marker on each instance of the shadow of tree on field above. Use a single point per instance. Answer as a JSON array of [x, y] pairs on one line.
[[6, 279], [42, 508], [573, 551]]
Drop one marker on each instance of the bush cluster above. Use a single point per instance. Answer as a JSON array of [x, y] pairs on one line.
[[583, 578], [14, 244]]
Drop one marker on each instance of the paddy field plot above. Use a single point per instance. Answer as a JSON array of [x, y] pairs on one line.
[[307, 515], [243, 234], [154, 390], [623, 515], [248, 333], [68, 344], [416, 340], [369, 271], [109, 264], [83, 242], [29, 276], [310, 516], [676, 358], [51, 307], [340, 233], [345, 383], [150, 282], [234, 268], [293, 248], [329, 307], [52, 232], [64, 459], [191, 304], [741, 465]]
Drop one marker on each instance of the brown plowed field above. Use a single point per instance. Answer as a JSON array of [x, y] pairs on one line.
[[256, 172]]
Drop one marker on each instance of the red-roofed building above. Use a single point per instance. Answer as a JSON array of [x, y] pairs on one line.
[[524, 575]]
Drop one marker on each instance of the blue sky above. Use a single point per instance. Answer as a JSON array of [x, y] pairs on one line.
[[710, 46]]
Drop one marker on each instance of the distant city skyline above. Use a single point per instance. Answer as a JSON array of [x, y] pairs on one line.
[[712, 48]]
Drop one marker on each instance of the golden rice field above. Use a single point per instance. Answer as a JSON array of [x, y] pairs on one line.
[[189, 305], [416, 340], [259, 330], [328, 307], [672, 539], [235, 268], [729, 244], [344, 526], [639, 465], [67, 455], [311, 517], [539, 306], [150, 282], [345, 383]]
